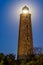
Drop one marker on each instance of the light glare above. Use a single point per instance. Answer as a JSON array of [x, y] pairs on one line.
[[25, 11]]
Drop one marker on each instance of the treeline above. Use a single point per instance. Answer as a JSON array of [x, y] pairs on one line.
[[33, 60], [7, 59], [30, 60]]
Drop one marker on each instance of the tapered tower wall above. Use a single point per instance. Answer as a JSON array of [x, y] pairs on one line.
[[25, 41]]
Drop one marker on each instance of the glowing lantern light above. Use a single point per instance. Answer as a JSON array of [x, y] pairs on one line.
[[25, 10]]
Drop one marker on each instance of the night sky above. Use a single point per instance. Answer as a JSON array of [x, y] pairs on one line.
[[9, 23]]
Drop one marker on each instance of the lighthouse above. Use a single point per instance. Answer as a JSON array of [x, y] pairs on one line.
[[25, 40]]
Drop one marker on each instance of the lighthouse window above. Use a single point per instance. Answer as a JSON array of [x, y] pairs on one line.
[[27, 38], [27, 26], [26, 17]]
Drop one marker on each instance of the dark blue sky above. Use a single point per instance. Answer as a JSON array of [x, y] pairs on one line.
[[9, 23]]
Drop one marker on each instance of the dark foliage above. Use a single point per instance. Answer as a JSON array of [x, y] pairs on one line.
[[30, 60]]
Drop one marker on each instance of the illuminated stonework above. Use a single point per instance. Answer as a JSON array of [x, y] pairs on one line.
[[25, 42]]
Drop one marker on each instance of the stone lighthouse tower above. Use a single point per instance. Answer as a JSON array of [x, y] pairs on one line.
[[25, 42]]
